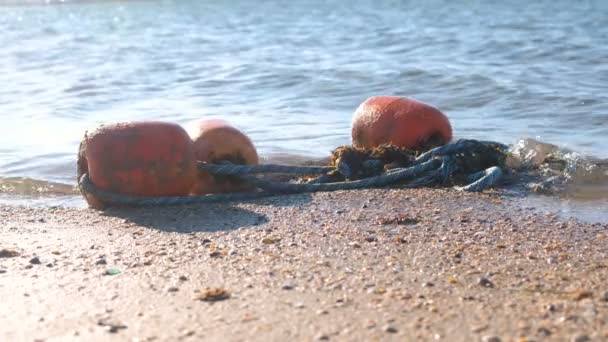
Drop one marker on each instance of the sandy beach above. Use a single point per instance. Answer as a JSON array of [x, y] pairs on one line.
[[388, 264]]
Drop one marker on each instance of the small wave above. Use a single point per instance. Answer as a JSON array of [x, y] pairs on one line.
[[562, 172], [23, 186]]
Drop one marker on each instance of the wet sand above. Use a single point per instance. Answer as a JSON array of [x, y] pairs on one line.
[[405, 264]]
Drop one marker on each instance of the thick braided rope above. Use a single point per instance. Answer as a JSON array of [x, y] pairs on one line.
[[487, 178], [321, 179], [371, 182], [113, 198], [229, 169], [459, 146]]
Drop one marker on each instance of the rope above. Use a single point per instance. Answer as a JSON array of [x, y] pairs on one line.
[[489, 177], [459, 146], [436, 165], [229, 169], [448, 167], [371, 182], [321, 179], [113, 198]]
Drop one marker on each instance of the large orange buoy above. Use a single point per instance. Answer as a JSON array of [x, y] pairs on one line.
[[138, 158], [216, 141], [399, 121]]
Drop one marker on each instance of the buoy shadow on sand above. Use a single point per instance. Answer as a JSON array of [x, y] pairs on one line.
[[211, 217]]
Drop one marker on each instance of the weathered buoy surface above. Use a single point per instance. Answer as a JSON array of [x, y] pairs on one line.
[[216, 141], [138, 158], [400, 121]]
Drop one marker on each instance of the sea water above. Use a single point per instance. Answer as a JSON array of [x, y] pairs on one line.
[[291, 73]]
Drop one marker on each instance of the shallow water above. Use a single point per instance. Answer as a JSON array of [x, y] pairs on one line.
[[291, 73]]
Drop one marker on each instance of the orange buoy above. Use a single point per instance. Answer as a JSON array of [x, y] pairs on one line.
[[215, 141], [138, 158], [400, 121]]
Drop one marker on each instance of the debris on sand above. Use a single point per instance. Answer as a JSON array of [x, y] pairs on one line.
[[8, 253], [112, 271], [491, 339], [212, 294], [485, 282], [390, 329], [401, 220], [112, 326], [580, 295], [371, 238], [270, 240], [215, 254]]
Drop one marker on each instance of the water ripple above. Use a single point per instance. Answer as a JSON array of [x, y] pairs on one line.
[[291, 73]]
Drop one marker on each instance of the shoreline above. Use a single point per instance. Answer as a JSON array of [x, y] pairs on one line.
[[386, 264]]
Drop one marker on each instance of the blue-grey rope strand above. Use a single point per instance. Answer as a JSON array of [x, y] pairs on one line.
[[458, 146], [229, 169], [448, 167], [113, 198], [453, 147], [489, 177], [422, 181], [371, 182], [321, 179]]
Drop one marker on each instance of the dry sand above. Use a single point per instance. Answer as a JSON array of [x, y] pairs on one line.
[[405, 264]]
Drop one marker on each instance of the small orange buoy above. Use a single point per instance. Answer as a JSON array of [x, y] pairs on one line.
[[399, 121], [138, 158], [216, 141]]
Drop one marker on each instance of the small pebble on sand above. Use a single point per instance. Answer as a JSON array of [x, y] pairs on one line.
[[390, 329], [581, 338], [8, 253], [270, 240], [112, 326], [287, 286], [212, 294], [491, 339], [485, 282], [582, 294], [215, 254], [35, 261], [544, 331], [112, 271]]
